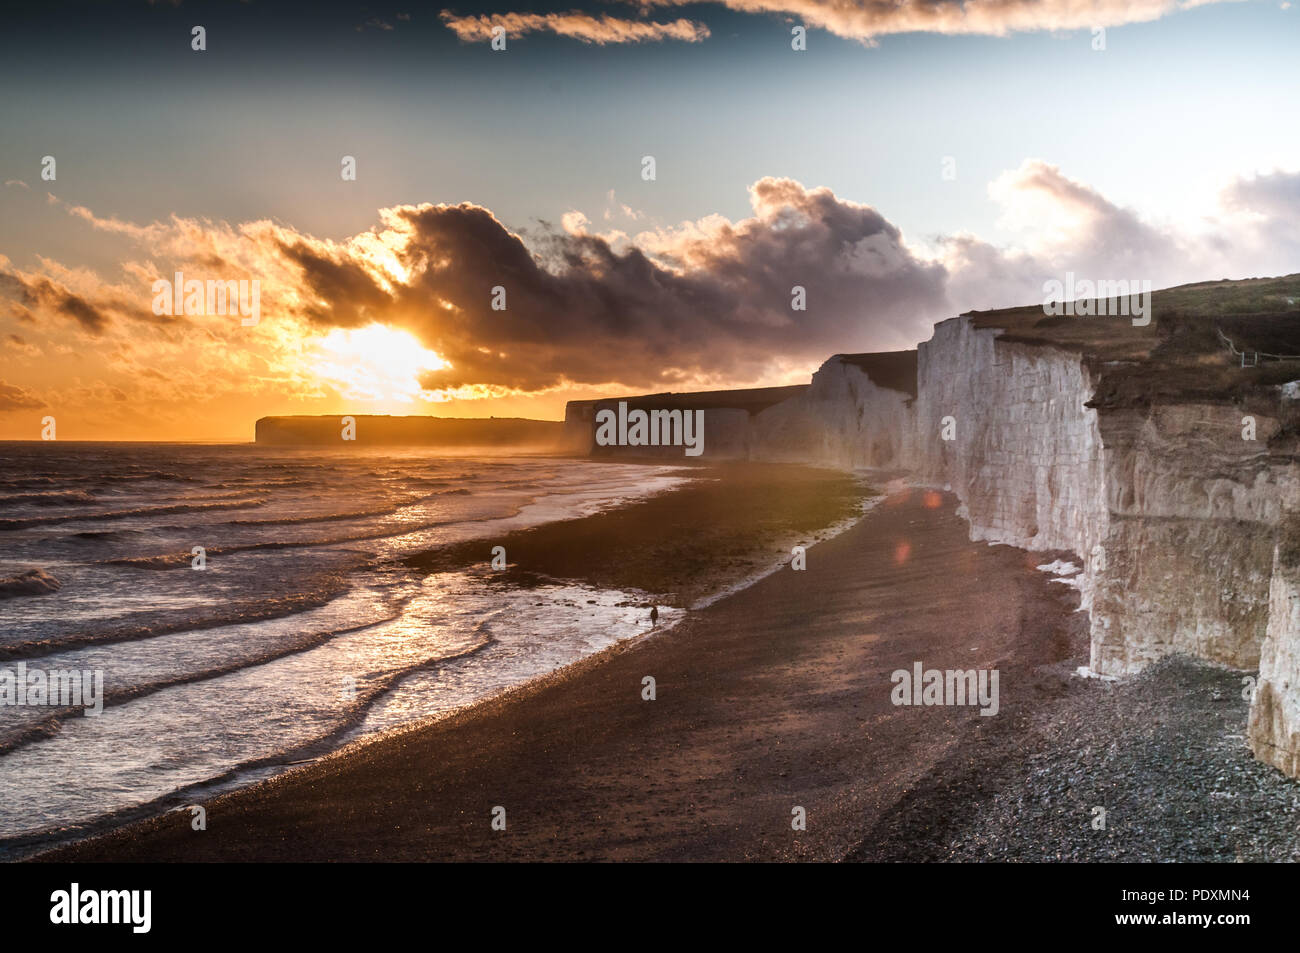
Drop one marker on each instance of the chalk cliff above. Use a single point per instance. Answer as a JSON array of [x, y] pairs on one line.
[[1173, 488], [856, 413], [729, 421], [1274, 729], [1172, 513], [1007, 427], [1165, 455]]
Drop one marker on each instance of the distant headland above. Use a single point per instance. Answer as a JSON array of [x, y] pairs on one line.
[[383, 430]]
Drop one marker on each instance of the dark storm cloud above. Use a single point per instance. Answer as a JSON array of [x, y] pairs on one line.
[[712, 299], [346, 291]]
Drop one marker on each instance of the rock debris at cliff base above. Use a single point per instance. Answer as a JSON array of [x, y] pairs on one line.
[[1164, 754]]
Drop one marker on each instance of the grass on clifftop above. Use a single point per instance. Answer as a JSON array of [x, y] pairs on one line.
[[682, 544], [1178, 355], [1245, 296]]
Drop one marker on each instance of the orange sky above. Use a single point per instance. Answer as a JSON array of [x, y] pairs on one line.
[[341, 328], [145, 385]]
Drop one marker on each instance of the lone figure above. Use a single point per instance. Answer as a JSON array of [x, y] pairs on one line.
[[654, 615]]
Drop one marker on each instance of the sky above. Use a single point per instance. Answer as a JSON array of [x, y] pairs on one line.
[[502, 246]]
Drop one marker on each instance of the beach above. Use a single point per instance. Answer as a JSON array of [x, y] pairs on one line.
[[774, 698]]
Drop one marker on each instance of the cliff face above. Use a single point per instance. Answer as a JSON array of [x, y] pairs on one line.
[[1169, 469], [1175, 507], [728, 430], [1172, 513], [1196, 511], [843, 420], [1025, 456], [1274, 729]]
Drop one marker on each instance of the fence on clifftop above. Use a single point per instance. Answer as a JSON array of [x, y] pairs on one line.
[[1253, 355]]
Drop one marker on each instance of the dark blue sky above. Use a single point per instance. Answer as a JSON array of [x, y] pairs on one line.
[[254, 126]]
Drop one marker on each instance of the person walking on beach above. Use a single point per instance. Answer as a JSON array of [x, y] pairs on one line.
[[654, 615]]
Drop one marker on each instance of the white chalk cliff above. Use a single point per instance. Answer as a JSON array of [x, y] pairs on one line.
[[1174, 515], [844, 420], [1180, 516]]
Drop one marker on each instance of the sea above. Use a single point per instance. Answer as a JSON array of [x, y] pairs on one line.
[[249, 609]]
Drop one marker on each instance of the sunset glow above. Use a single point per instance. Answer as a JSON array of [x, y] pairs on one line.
[[379, 235], [375, 363]]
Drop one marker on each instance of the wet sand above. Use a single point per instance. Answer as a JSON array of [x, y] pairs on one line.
[[774, 698], [725, 525]]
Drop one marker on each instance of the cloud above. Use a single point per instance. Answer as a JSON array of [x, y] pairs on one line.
[[574, 222], [865, 20], [1065, 225], [1272, 202], [92, 310], [41, 293], [708, 300], [18, 344], [703, 303], [1062, 225], [13, 398], [576, 25]]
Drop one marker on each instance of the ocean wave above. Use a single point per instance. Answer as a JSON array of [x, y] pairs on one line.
[[108, 816], [167, 623], [148, 475], [179, 560], [33, 582], [326, 518], [249, 484], [117, 614], [293, 466], [12, 524], [107, 534], [44, 726], [50, 498]]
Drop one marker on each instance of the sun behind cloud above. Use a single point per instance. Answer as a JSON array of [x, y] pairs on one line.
[[375, 363]]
